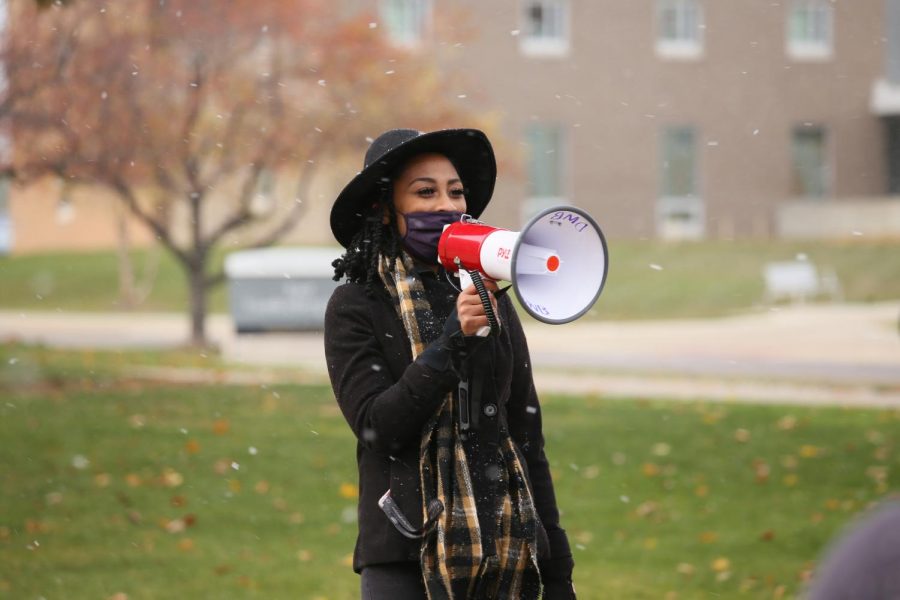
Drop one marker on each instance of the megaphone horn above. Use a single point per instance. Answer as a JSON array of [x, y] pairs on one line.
[[557, 263]]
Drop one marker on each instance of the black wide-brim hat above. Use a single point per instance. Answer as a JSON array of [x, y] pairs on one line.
[[468, 149]]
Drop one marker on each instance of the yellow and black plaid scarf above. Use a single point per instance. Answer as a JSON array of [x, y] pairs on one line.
[[455, 566]]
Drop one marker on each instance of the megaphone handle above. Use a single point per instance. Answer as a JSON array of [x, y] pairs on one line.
[[483, 293]]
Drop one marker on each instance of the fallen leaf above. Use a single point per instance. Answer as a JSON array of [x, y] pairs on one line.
[[221, 426], [809, 451], [186, 545], [789, 462], [348, 490], [787, 422], [742, 436], [761, 470], [708, 537], [192, 446], [767, 536], [584, 537], [172, 478], [174, 526], [650, 469], [646, 509], [686, 569], [720, 565], [591, 472], [661, 449]]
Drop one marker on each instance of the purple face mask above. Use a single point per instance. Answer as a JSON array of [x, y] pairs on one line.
[[423, 231]]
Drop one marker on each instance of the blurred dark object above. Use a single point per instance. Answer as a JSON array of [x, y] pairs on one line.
[[863, 564]]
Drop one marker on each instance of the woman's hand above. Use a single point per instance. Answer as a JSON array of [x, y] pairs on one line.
[[470, 310]]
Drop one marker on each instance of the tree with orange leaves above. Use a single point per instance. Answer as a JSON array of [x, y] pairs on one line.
[[186, 109]]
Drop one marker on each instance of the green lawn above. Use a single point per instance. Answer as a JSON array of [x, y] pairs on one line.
[[112, 486], [646, 279]]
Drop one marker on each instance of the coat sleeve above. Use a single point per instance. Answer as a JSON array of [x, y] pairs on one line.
[[525, 425], [385, 415]]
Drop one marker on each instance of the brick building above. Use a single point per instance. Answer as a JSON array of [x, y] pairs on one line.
[[677, 119], [686, 118]]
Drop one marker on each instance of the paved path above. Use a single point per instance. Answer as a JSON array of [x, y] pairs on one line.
[[828, 354]]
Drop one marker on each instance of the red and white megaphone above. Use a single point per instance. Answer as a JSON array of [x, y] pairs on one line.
[[557, 264]]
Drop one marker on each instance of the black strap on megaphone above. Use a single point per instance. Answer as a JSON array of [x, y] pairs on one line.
[[484, 296], [402, 524]]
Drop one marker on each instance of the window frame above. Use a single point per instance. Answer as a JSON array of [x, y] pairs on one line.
[[826, 170], [680, 48], [670, 204], [806, 49], [408, 39], [555, 46], [534, 203]]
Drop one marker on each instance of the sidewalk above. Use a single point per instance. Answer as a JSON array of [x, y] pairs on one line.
[[820, 354]]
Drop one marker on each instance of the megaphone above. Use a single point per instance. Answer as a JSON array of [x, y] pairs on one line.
[[557, 264]]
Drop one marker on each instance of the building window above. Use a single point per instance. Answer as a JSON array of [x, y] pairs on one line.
[[679, 29], [546, 28], [810, 176], [546, 162], [407, 21], [680, 213], [810, 29]]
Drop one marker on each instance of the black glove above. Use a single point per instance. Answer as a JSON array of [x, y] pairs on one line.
[[449, 349], [558, 589]]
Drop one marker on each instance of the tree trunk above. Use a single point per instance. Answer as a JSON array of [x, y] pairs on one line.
[[197, 285], [127, 291]]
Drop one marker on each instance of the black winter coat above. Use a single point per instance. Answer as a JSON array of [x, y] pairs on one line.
[[387, 398]]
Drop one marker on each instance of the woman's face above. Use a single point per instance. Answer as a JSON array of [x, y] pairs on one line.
[[428, 183]]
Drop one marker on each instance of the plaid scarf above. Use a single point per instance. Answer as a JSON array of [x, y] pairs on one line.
[[455, 566]]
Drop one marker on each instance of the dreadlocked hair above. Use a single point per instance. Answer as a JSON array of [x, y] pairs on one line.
[[359, 264]]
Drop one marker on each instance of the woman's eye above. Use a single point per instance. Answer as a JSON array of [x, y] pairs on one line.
[[457, 192], [426, 192]]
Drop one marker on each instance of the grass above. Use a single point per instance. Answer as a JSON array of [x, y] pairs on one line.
[[114, 486], [646, 279]]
